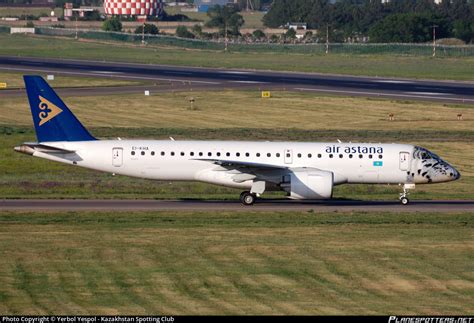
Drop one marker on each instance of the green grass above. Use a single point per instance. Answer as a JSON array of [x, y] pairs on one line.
[[4, 12], [236, 263], [294, 117], [246, 109], [15, 80], [371, 65]]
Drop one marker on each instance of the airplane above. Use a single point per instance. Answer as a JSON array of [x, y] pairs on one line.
[[304, 170]]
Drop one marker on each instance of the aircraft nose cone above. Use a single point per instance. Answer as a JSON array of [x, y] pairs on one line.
[[453, 173]]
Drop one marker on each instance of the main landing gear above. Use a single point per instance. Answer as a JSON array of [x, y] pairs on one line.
[[404, 196], [247, 198]]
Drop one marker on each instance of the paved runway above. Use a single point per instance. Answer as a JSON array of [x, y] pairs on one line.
[[261, 205], [207, 78]]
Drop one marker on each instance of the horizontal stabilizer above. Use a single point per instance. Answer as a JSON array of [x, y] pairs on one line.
[[30, 148]]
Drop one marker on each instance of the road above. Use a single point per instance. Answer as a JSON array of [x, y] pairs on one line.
[[261, 205], [179, 78]]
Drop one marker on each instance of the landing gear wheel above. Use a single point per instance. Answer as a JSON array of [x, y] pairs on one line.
[[247, 198], [404, 200]]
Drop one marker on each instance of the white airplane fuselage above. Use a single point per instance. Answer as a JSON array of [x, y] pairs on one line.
[[211, 161]]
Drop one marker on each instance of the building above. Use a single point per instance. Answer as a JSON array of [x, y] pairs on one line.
[[297, 25], [133, 7]]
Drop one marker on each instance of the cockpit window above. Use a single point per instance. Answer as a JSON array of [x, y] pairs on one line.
[[422, 153]]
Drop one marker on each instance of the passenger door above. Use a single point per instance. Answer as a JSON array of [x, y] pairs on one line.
[[117, 157], [404, 161]]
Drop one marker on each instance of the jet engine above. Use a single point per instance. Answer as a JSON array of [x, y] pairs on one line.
[[310, 184]]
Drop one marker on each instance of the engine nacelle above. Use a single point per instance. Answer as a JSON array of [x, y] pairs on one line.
[[311, 184]]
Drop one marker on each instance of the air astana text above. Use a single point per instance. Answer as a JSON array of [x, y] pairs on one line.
[[354, 149]]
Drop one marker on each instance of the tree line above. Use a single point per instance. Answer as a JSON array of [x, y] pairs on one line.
[[395, 21]]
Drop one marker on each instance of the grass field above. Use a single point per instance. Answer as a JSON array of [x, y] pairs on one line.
[[5, 12], [15, 80], [236, 263], [294, 116], [253, 19], [387, 66]]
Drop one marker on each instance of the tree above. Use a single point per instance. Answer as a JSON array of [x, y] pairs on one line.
[[464, 30], [290, 34], [406, 28], [149, 29], [197, 30], [112, 24], [258, 34], [226, 18], [183, 32]]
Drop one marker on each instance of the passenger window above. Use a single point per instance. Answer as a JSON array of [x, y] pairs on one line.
[[350, 155], [258, 155], [237, 154], [143, 153], [330, 155], [319, 155], [182, 153], [162, 153], [278, 154], [218, 154], [299, 155], [309, 155], [340, 156], [247, 154], [172, 153], [153, 153], [360, 156], [288, 155], [370, 156], [227, 154], [380, 156], [269, 155], [200, 153], [209, 154], [191, 153], [133, 153]]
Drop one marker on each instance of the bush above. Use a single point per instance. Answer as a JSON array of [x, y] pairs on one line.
[[183, 32], [113, 24], [30, 24], [149, 29], [258, 34], [290, 34]]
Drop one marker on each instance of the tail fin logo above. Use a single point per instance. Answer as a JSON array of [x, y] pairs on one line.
[[48, 110]]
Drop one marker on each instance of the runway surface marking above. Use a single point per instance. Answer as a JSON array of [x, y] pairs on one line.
[[261, 205]]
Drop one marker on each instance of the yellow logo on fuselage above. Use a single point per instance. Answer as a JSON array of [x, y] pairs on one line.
[[48, 110]]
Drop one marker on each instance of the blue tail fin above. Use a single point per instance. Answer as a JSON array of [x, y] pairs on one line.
[[52, 118]]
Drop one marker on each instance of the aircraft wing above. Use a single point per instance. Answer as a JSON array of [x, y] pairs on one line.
[[238, 164]]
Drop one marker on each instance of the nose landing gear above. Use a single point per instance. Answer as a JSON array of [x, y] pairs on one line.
[[404, 196]]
